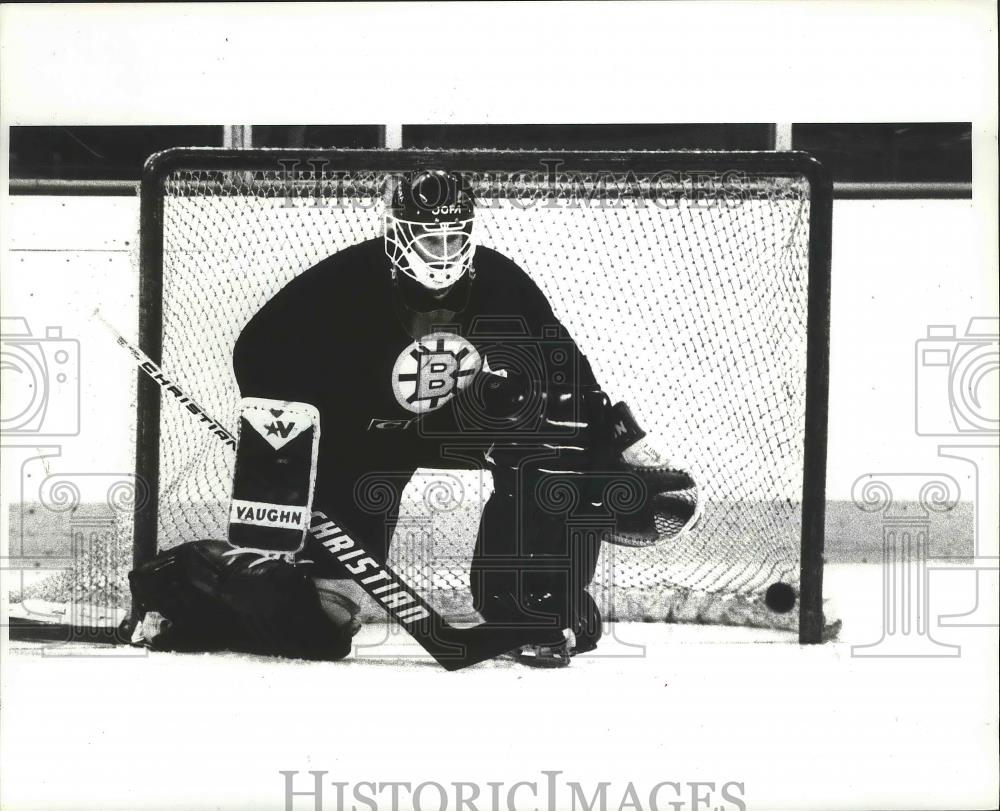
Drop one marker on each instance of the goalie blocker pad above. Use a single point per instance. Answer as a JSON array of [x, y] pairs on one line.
[[276, 453]]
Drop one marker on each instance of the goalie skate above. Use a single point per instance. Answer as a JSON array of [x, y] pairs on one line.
[[545, 655]]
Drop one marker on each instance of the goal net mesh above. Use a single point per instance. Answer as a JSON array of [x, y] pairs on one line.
[[688, 295]]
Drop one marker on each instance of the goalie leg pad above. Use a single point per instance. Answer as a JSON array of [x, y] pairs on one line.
[[275, 475]]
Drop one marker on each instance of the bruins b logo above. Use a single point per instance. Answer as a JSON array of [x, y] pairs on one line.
[[430, 371]]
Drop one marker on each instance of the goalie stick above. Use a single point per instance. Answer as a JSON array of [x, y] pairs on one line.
[[453, 648]]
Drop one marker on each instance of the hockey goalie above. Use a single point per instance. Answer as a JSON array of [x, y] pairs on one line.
[[418, 349]]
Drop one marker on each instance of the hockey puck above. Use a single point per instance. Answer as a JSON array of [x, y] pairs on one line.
[[780, 597]]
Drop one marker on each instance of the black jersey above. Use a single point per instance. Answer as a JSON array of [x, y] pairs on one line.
[[374, 353]]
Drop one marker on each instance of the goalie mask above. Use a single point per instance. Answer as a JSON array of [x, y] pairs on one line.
[[428, 229]]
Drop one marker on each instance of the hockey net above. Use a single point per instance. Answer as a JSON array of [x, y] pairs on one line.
[[686, 284]]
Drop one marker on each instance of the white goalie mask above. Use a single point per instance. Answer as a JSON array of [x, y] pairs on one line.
[[428, 230]]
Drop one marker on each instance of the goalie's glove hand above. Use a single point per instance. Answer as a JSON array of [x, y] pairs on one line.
[[671, 505], [617, 473], [646, 459]]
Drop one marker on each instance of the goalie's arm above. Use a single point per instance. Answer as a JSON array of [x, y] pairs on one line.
[[270, 358]]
